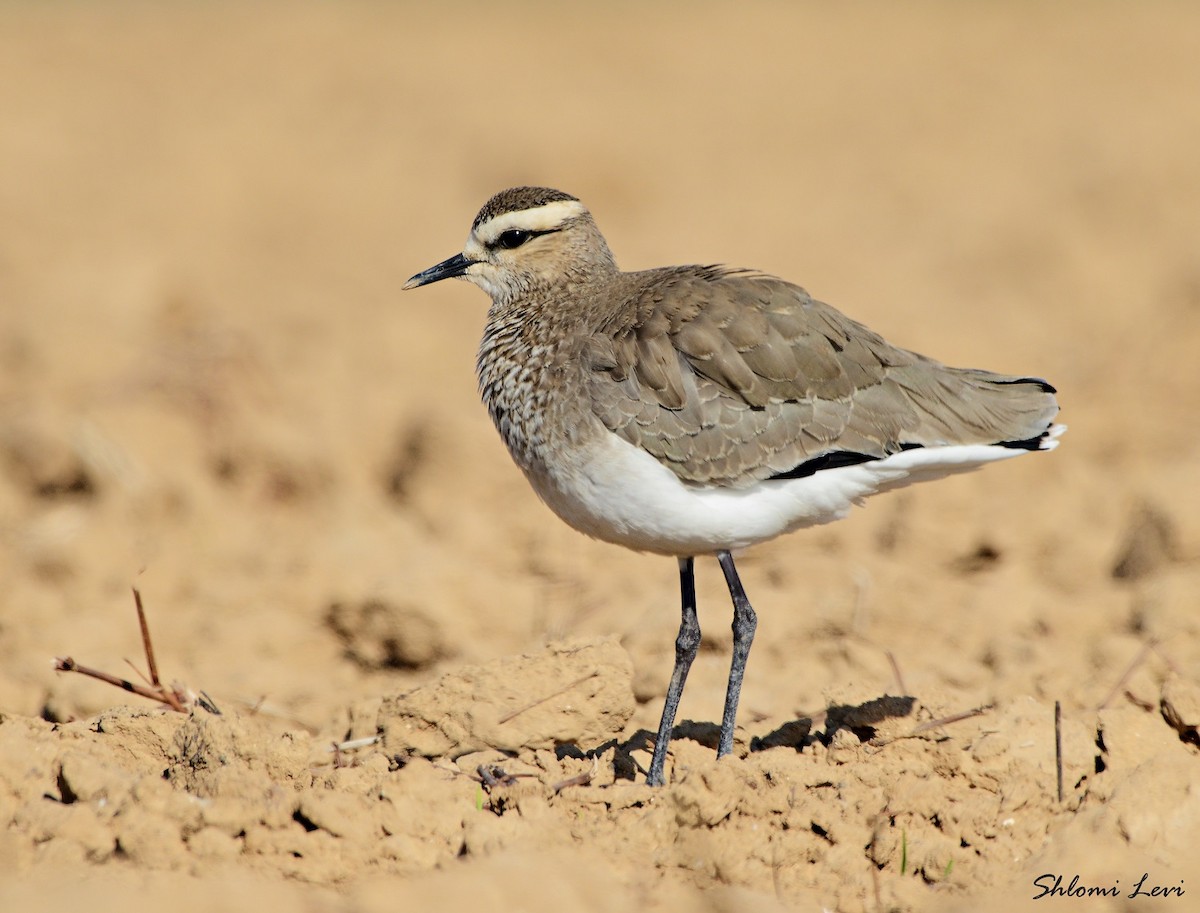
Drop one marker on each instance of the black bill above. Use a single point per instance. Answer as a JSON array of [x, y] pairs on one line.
[[447, 269]]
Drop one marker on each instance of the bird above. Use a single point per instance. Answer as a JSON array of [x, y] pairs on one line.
[[693, 411]]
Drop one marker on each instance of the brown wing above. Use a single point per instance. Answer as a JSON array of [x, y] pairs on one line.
[[729, 378]]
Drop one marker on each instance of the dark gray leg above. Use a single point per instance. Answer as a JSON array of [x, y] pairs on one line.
[[744, 623], [686, 645]]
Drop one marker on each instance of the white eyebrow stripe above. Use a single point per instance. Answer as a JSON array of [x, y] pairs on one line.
[[541, 218]]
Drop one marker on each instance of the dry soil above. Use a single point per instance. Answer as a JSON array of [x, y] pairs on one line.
[[212, 389]]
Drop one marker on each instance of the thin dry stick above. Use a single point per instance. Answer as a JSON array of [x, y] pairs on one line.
[[953, 718], [1137, 661], [1171, 664], [146, 644], [934, 724], [896, 671], [1058, 746], [352, 744], [170, 697], [138, 672], [155, 691], [582, 779], [66, 664], [492, 776], [542, 700]]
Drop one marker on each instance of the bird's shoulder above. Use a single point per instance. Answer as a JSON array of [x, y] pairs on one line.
[[758, 338]]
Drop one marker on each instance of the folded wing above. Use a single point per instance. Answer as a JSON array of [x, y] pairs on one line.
[[730, 378]]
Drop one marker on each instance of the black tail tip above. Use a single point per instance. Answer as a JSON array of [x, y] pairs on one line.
[[1043, 385]]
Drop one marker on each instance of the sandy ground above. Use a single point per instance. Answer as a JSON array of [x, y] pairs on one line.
[[212, 389]]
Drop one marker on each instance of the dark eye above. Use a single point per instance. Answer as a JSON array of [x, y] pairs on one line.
[[514, 237]]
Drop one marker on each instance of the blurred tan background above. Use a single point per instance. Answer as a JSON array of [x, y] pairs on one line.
[[211, 387]]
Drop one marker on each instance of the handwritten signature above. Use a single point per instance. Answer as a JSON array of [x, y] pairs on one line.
[[1051, 885]]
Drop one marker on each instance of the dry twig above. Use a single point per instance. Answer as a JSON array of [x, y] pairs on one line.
[[896, 671], [542, 700], [934, 724], [155, 690], [1058, 746], [582, 779], [492, 776], [1128, 673]]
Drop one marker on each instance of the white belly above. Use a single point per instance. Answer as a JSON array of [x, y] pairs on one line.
[[616, 492]]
